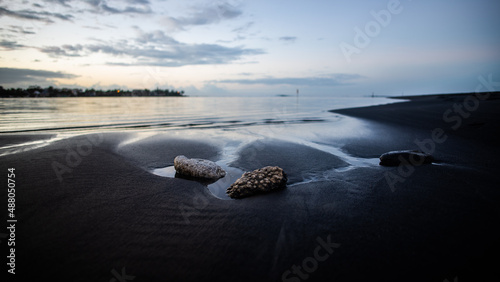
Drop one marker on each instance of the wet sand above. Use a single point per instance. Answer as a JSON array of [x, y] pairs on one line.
[[102, 215]]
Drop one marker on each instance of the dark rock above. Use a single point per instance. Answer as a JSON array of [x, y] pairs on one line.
[[263, 180], [395, 158]]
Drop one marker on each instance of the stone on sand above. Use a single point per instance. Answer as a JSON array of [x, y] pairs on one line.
[[395, 158], [263, 180], [198, 168]]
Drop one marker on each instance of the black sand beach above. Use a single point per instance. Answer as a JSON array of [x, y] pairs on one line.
[[88, 209]]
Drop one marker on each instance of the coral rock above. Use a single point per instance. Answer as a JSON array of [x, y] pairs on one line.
[[198, 168], [267, 179]]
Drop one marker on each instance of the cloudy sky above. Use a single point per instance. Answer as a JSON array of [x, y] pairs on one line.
[[234, 47]]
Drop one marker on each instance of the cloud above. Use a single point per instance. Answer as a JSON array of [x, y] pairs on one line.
[[143, 2], [212, 14], [329, 80], [101, 6], [92, 27], [34, 15], [96, 6], [290, 39], [241, 33], [22, 15], [244, 28], [63, 51], [19, 29], [63, 17], [154, 37], [10, 45], [155, 49], [13, 75], [61, 2]]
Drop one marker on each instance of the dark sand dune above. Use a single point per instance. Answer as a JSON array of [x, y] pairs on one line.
[[107, 215]]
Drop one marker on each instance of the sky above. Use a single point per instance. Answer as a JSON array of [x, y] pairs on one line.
[[234, 47]]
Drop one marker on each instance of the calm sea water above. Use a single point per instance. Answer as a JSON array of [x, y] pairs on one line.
[[77, 115]]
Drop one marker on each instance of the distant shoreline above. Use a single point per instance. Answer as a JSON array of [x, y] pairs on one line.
[[51, 92], [28, 97]]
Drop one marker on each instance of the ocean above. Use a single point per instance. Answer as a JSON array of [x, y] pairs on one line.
[[96, 114]]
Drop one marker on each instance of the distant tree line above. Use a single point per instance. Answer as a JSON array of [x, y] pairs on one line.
[[37, 91]]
